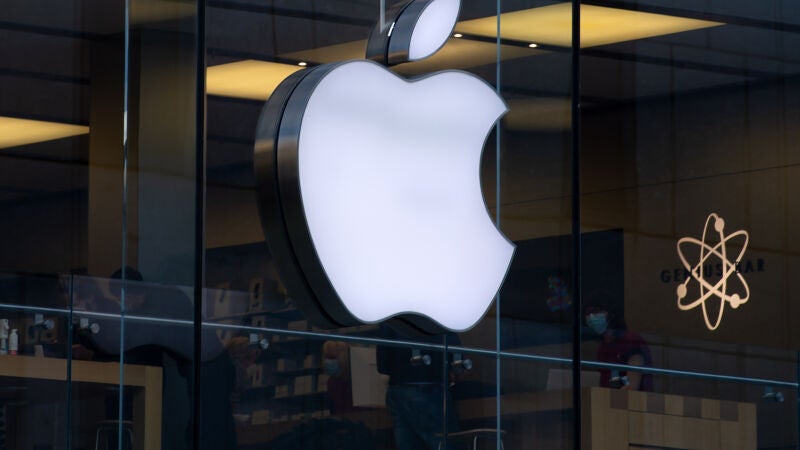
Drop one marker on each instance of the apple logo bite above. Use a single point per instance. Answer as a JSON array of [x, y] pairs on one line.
[[369, 187]]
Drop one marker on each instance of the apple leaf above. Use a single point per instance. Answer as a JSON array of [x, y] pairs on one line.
[[433, 28]]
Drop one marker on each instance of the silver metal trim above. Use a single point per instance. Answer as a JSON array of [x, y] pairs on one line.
[[291, 202], [389, 46], [378, 41], [265, 165], [400, 41]]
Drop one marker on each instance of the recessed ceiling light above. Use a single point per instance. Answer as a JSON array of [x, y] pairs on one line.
[[15, 132], [457, 54], [549, 25], [600, 25], [247, 79]]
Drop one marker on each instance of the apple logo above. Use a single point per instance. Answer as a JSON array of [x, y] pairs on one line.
[[369, 186]]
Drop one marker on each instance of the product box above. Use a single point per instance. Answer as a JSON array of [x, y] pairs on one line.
[[369, 386], [256, 291], [304, 384], [322, 383], [260, 417], [282, 390], [227, 302], [298, 325], [256, 375], [310, 362], [285, 364]]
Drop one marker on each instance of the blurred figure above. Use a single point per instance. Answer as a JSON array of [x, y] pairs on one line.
[[158, 332], [619, 346], [336, 364], [86, 296], [244, 356], [418, 396]]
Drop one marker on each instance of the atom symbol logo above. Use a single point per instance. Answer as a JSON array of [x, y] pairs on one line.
[[728, 268]]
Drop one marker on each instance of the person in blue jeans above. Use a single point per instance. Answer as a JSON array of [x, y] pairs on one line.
[[418, 396]]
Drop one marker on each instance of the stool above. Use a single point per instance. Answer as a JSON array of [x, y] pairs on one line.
[[475, 434], [108, 428]]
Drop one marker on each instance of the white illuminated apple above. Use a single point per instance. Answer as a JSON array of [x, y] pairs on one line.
[[376, 182]]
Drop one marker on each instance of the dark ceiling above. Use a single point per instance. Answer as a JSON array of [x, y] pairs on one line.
[[45, 64]]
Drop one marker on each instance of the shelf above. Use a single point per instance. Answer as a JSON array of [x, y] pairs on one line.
[[298, 372], [305, 398], [261, 392]]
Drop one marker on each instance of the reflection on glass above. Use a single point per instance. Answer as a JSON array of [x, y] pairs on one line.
[[418, 396], [686, 153]]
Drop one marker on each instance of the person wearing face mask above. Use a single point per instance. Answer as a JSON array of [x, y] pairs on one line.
[[619, 346], [336, 364]]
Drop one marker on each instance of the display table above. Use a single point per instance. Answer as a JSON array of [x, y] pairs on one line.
[[147, 400], [614, 419]]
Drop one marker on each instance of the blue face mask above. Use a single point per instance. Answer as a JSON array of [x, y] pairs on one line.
[[331, 367], [597, 323]]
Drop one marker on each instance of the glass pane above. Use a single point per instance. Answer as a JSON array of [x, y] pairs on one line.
[[538, 301], [528, 181], [161, 193], [688, 162], [61, 122], [295, 390], [249, 299], [536, 404]]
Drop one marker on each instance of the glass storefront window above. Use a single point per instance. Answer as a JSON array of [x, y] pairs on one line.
[[150, 297], [687, 157]]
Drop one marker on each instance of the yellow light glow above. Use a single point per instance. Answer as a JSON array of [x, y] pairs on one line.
[[15, 132], [538, 114], [549, 25], [600, 25], [456, 54], [331, 53], [464, 54], [257, 80], [247, 79]]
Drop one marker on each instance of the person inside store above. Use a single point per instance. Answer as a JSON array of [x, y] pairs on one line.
[[418, 396], [618, 345], [87, 296], [144, 341], [336, 364], [163, 344]]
